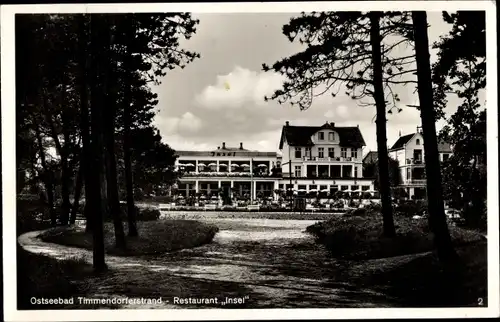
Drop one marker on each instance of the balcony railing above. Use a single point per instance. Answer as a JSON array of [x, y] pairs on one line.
[[417, 181], [328, 159], [227, 174], [414, 161]]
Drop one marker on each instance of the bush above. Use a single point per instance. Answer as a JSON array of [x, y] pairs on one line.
[[359, 235], [411, 208], [148, 214]]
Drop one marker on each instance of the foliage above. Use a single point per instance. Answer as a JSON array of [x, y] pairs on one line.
[[371, 170], [461, 69], [157, 237], [338, 51], [359, 236], [49, 101]]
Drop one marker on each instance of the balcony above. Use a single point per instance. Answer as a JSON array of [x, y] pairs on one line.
[[414, 161], [416, 181], [226, 174], [328, 159]]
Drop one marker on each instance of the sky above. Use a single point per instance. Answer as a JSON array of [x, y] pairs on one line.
[[219, 97]]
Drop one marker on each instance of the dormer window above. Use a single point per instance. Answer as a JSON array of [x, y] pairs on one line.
[[321, 136], [331, 136], [418, 142]]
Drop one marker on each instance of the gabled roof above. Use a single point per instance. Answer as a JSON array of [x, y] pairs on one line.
[[443, 147], [371, 157], [350, 136], [402, 140]]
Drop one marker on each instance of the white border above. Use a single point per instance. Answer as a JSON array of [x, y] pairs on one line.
[[8, 166]]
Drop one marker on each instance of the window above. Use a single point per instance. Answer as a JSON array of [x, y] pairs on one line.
[[280, 186], [331, 136], [365, 188], [298, 171], [331, 152], [417, 142], [302, 187], [321, 136], [308, 152], [313, 186], [354, 188], [354, 153], [321, 152], [289, 186], [298, 153], [446, 156], [343, 152], [343, 188], [408, 174], [323, 187], [355, 172]]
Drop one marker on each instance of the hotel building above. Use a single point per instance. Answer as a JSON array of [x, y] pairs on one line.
[[408, 150], [323, 158]]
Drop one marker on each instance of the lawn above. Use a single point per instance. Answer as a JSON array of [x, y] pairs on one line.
[[155, 237], [44, 277], [359, 236], [425, 282]]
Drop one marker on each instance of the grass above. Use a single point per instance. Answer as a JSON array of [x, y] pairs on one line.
[[155, 237], [425, 282], [360, 236], [44, 277]]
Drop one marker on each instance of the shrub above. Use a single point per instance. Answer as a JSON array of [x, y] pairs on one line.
[[411, 208], [359, 235], [148, 214]]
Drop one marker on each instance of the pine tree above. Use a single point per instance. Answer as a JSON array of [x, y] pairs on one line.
[[348, 49]]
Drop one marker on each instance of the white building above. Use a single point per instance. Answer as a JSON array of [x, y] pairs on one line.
[[322, 158], [409, 152], [238, 170]]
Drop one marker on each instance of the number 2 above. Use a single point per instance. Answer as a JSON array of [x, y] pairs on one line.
[[480, 301]]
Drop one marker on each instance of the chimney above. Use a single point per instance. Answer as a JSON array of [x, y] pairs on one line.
[[287, 123], [241, 145], [223, 145], [218, 148], [357, 125], [400, 133], [332, 124]]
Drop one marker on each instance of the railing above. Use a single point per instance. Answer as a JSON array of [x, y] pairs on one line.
[[414, 162], [329, 159], [417, 181], [227, 174]]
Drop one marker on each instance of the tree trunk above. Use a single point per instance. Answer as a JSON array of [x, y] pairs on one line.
[[383, 154], [109, 141], [97, 176], [127, 159], [84, 122], [65, 182], [437, 217], [47, 178], [78, 191]]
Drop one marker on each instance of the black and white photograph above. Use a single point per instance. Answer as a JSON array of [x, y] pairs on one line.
[[214, 161]]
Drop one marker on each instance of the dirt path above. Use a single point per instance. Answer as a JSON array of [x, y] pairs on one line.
[[260, 263]]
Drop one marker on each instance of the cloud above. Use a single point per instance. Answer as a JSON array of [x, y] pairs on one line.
[[188, 123], [238, 88]]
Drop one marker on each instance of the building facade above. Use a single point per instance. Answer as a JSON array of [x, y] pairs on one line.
[[408, 150], [311, 159], [323, 158], [237, 170]]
